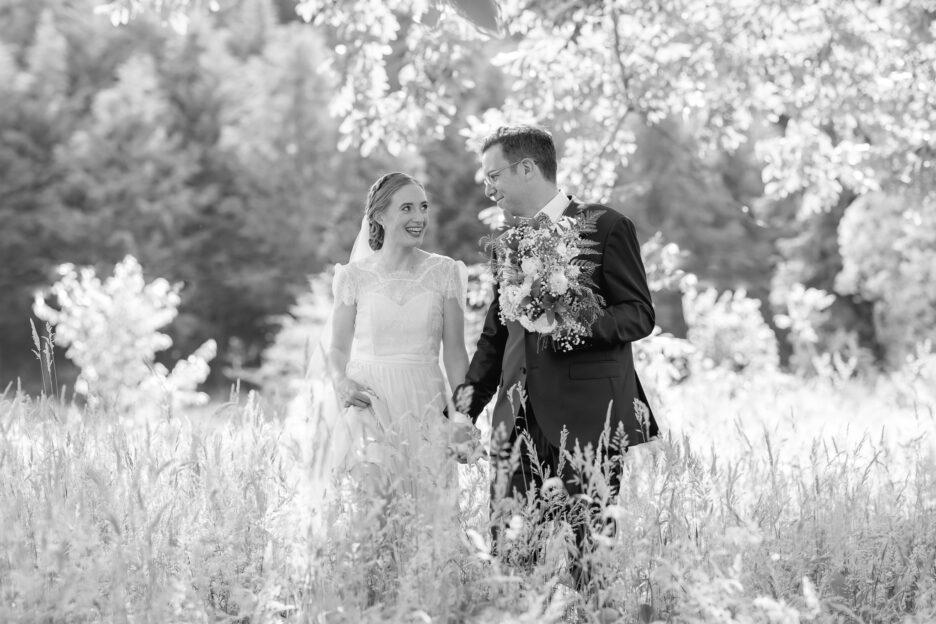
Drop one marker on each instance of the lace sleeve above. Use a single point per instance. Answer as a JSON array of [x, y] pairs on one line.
[[456, 282], [344, 286]]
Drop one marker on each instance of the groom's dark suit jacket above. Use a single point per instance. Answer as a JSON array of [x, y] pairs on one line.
[[574, 389]]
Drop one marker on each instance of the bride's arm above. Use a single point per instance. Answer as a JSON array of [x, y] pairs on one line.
[[454, 354], [349, 391]]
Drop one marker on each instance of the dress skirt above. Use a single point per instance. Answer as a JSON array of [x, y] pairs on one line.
[[401, 441]]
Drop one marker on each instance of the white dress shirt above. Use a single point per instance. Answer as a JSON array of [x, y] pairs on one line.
[[556, 206]]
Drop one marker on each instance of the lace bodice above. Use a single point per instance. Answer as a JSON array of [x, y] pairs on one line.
[[399, 313]]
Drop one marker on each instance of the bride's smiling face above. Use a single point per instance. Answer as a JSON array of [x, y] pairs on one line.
[[406, 218]]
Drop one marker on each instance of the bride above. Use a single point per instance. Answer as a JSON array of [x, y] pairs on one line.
[[375, 492], [394, 304]]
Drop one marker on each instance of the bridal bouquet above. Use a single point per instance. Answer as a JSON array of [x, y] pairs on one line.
[[545, 283]]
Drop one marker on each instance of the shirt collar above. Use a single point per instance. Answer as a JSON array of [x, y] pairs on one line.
[[556, 206]]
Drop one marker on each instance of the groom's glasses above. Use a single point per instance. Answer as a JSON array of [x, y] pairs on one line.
[[489, 176]]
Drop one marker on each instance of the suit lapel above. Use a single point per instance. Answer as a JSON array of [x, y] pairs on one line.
[[574, 207]]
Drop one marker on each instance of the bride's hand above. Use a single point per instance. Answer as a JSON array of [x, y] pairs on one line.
[[353, 394]]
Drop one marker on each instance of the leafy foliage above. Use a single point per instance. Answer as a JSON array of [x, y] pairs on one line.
[[724, 69], [33, 121], [786, 86], [742, 132], [111, 329], [888, 248], [729, 331], [211, 161], [295, 356]]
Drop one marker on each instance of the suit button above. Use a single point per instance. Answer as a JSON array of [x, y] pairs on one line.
[[523, 370]]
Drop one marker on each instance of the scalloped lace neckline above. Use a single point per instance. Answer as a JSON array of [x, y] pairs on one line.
[[416, 271]]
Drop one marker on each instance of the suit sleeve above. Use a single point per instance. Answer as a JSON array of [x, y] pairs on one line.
[[484, 372], [628, 315]]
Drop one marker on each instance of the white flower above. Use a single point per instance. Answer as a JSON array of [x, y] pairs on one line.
[[558, 283], [777, 611], [573, 271], [509, 300], [523, 290], [543, 325], [553, 483], [508, 295], [811, 597], [614, 512], [531, 266], [515, 527], [563, 224]]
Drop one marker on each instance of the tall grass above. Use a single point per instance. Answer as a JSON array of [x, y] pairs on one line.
[[768, 500]]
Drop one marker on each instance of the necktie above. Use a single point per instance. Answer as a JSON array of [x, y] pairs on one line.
[[514, 372]]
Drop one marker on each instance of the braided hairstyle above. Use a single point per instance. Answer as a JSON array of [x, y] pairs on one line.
[[378, 199]]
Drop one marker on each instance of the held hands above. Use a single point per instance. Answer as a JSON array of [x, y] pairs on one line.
[[353, 394], [464, 440], [464, 443]]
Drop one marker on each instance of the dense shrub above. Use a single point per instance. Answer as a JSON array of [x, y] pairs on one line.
[[888, 246], [111, 331], [728, 331]]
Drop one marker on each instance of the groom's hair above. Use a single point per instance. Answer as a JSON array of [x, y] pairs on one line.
[[378, 199], [520, 142]]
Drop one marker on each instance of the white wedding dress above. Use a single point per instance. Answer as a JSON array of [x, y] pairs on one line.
[[402, 437]]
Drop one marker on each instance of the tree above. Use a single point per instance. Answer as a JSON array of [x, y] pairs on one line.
[[704, 207], [18, 22], [846, 121], [304, 194], [36, 232], [46, 77], [212, 161], [127, 173], [54, 57], [888, 248], [829, 100]]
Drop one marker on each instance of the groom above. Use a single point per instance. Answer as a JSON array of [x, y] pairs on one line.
[[580, 390]]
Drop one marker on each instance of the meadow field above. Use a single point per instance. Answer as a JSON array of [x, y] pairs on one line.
[[776, 160], [768, 499]]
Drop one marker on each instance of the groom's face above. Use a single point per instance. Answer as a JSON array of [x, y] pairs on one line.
[[504, 182]]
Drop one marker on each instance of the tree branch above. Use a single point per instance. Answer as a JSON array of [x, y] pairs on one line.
[[625, 76]]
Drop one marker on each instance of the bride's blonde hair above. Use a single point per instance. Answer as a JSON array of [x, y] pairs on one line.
[[378, 198]]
